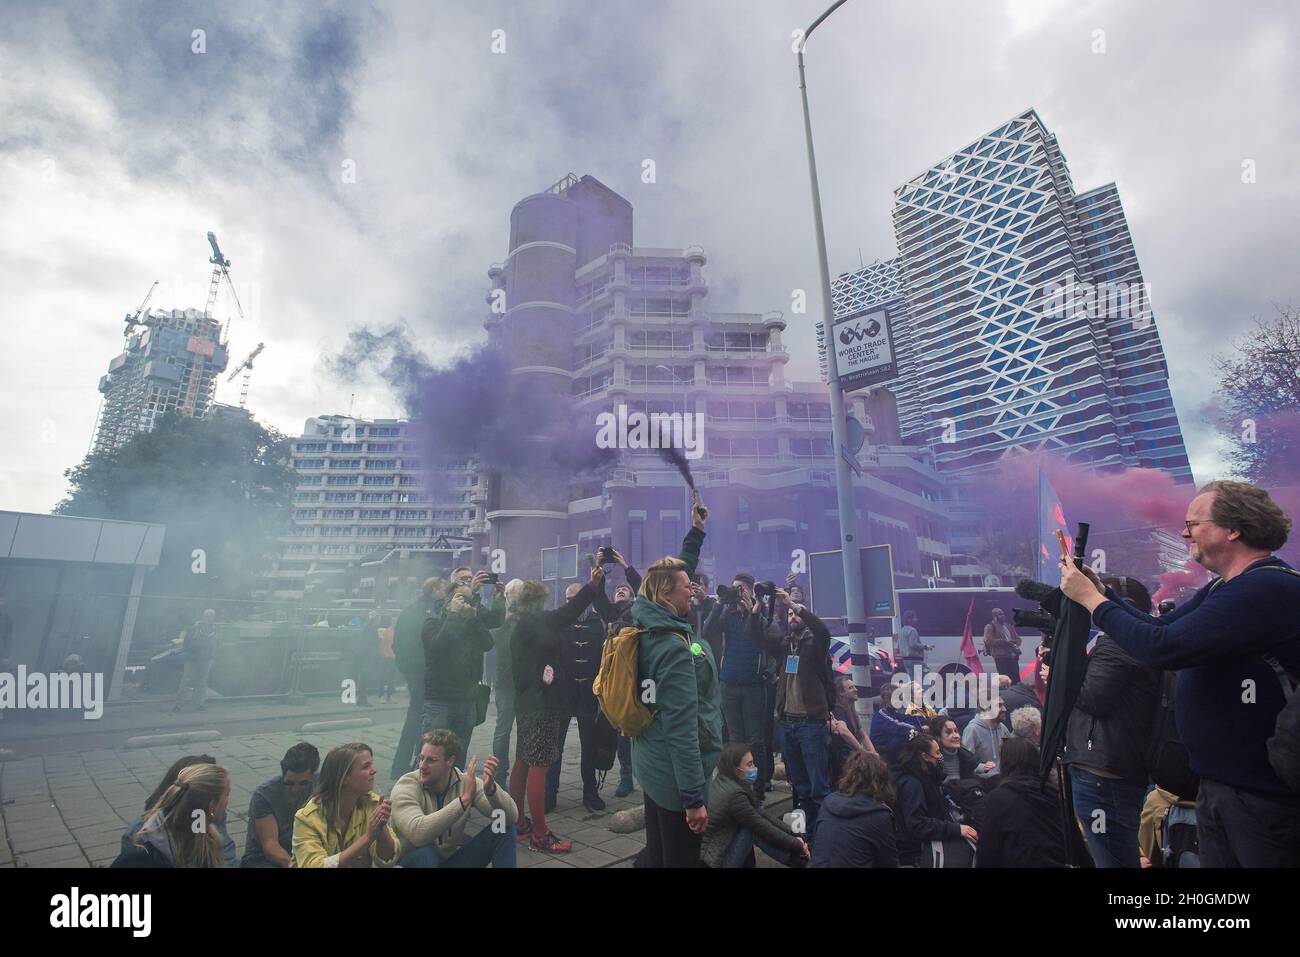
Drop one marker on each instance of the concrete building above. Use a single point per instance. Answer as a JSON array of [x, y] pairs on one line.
[[363, 494], [171, 364], [606, 324], [1026, 323]]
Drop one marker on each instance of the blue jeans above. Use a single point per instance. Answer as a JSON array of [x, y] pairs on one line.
[[1120, 804], [806, 746], [744, 842], [505, 699], [457, 716], [409, 742], [624, 759], [484, 848]]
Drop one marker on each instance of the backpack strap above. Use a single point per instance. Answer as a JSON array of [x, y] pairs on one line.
[[1284, 677]]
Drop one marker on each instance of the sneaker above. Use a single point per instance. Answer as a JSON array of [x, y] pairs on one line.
[[550, 844], [592, 802], [525, 829], [624, 788]]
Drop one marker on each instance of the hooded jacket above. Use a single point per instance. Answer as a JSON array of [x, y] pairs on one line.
[[1020, 826], [922, 813], [732, 806], [675, 756], [854, 831]]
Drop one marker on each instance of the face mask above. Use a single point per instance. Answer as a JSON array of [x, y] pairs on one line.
[[752, 775]]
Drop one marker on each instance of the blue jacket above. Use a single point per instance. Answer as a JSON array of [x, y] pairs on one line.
[[854, 832], [889, 732], [742, 658], [1214, 642]]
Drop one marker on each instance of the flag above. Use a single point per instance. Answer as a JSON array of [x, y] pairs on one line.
[[1051, 518], [968, 643]]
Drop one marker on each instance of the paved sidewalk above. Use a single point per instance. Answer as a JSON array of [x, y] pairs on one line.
[[63, 807]]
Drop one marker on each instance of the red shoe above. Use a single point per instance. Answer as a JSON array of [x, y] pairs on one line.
[[550, 844]]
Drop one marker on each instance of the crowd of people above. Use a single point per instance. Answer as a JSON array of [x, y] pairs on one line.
[[732, 679]]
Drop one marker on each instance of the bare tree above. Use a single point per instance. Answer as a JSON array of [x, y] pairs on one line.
[[1259, 387]]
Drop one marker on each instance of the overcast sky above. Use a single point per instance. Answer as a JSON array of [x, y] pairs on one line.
[[120, 148]]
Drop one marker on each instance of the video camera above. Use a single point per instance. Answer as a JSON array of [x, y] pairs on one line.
[[764, 590], [1034, 619], [728, 595]]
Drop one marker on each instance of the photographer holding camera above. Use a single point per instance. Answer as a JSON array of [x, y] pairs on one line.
[[805, 696], [616, 614], [734, 628], [1236, 648], [454, 645]]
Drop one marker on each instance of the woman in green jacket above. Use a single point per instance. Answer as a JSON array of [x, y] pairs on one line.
[[675, 756], [737, 824]]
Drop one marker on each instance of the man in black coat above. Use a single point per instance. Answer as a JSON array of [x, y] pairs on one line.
[[581, 646], [408, 654], [1106, 742]]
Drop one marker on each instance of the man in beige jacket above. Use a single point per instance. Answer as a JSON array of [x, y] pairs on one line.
[[432, 804]]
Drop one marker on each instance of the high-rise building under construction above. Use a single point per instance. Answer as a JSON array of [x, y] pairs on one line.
[[171, 364]]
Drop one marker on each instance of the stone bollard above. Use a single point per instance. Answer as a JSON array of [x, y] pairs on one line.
[[162, 740], [628, 820], [337, 724]]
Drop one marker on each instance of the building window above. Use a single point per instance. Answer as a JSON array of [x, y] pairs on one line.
[[635, 549]]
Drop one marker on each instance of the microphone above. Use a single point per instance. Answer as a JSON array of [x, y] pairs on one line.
[[1035, 591]]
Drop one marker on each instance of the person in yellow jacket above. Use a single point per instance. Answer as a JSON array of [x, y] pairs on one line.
[[345, 823]]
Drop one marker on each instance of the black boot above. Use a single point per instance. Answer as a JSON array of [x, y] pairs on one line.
[[592, 802]]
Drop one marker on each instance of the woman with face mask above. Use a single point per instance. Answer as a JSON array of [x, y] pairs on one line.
[[923, 812], [736, 823]]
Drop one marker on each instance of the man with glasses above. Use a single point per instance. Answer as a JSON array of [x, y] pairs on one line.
[[270, 812], [431, 808], [1235, 646]]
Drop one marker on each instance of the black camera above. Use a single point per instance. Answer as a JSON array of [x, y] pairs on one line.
[[1166, 606], [475, 600], [728, 595], [605, 555], [493, 578], [765, 590], [1033, 619]]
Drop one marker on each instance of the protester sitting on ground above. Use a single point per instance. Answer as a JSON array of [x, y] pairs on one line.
[[269, 842], [431, 808], [675, 756], [983, 738], [541, 702], [856, 825], [847, 735], [229, 853], [1107, 739], [736, 822], [1246, 816], [345, 823], [1027, 723], [922, 813], [891, 727], [179, 830], [1020, 820], [1021, 694], [958, 762]]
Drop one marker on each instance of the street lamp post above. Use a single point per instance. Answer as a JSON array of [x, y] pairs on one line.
[[855, 603]]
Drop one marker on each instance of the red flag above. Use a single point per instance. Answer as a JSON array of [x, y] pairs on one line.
[[968, 643]]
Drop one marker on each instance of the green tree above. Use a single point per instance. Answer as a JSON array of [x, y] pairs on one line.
[[223, 488]]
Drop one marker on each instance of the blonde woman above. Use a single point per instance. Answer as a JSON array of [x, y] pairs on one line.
[[677, 754], [345, 823], [180, 829]]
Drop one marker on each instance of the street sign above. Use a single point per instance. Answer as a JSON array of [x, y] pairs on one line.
[[826, 582], [864, 349]]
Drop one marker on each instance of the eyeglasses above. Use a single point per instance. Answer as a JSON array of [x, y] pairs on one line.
[[1203, 521]]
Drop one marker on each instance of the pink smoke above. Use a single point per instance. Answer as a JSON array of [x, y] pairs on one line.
[[1172, 584]]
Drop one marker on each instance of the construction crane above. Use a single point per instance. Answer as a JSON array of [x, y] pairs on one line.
[[133, 320], [220, 267], [246, 367]]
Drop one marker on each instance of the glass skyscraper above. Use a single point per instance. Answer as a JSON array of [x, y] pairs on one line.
[[1024, 322]]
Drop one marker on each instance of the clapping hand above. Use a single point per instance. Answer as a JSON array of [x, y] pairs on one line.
[[469, 783]]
